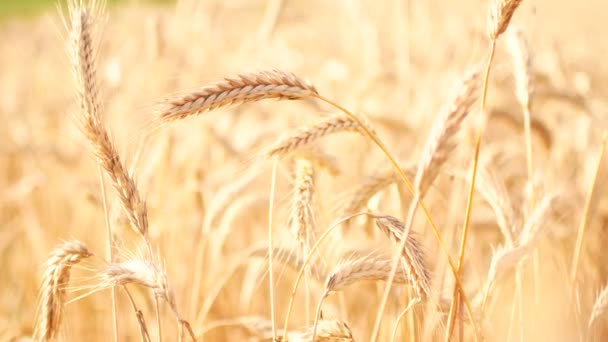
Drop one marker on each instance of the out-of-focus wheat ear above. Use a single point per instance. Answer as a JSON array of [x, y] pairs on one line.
[[495, 193], [370, 267], [53, 290], [82, 52], [599, 308], [307, 135], [243, 88], [500, 13], [442, 138], [533, 228], [301, 216], [522, 71], [369, 186], [504, 260], [326, 331], [522, 66], [412, 255]]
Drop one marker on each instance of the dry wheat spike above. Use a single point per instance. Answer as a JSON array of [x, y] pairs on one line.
[[369, 267], [499, 16], [305, 136], [441, 141], [301, 216], [53, 290], [82, 53], [138, 271], [147, 273], [412, 255], [249, 87], [522, 65]]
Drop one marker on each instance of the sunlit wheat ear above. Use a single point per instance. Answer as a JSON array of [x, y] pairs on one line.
[[533, 229], [504, 260], [82, 53], [326, 331], [371, 268], [599, 308], [442, 138], [496, 195], [250, 87], [53, 290], [146, 273], [522, 65], [138, 271], [412, 255], [301, 216], [307, 135], [500, 13]]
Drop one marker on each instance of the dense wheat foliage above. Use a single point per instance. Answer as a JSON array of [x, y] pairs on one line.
[[271, 170]]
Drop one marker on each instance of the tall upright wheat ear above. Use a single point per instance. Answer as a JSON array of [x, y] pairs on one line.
[[439, 145], [53, 290], [522, 71], [82, 54], [499, 16]]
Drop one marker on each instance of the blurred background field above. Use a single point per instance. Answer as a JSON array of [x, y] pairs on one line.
[[395, 60]]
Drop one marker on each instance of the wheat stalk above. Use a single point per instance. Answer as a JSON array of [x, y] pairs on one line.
[[53, 290], [249, 87]]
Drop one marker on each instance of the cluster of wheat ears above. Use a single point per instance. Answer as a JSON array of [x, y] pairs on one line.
[[407, 294]]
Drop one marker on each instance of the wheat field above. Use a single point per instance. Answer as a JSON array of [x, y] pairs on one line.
[[286, 170]]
